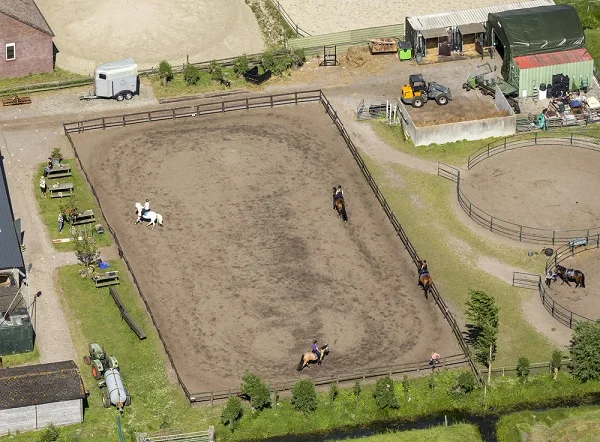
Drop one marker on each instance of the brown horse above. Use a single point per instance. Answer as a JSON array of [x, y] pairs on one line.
[[425, 279], [572, 275], [340, 206], [311, 358]]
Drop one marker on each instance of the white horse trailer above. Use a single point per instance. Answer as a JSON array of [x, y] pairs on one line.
[[118, 80]]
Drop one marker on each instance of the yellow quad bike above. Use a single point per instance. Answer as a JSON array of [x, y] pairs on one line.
[[418, 92]]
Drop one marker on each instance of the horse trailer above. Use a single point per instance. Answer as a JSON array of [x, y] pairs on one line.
[[118, 80]]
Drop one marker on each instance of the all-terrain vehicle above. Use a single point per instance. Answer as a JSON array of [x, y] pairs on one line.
[[418, 92]]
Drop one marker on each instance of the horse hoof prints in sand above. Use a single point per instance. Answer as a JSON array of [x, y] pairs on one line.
[[310, 358], [150, 217]]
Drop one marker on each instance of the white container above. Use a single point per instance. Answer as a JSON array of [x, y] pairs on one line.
[[524, 93], [542, 94]]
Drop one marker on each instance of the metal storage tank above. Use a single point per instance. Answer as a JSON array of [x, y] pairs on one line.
[[532, 70]]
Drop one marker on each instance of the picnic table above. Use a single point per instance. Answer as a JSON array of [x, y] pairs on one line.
[[85, 217], [58, 172], [61, 190], [106, 279]]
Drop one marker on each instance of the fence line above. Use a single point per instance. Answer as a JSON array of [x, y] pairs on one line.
[[288, 19], [253, 103], [558, 311], [571, 249], [535, 368]]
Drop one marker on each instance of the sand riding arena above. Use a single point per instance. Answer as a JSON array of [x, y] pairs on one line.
[[253, 262], [536, 190]]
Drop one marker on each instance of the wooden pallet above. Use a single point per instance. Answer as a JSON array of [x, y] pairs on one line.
[[16, 100], [383, 45]]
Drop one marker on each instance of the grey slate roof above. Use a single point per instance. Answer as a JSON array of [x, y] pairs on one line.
[[26, 11], [40, 384], [10, 246]]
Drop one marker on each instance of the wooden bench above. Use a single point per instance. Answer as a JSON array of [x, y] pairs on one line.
[[60, 190], [85, 217], [578, 242], [106, 279], [13, 101], [58, 172]]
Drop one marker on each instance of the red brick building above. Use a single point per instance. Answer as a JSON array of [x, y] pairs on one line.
[[25, 39]]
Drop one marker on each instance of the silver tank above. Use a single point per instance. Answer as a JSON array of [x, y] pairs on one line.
[[115, 388]]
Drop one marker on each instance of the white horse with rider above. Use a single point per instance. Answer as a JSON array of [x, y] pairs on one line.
[[150, 216]]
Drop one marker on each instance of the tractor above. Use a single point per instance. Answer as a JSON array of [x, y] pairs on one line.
[[418, 92], [99, 361]]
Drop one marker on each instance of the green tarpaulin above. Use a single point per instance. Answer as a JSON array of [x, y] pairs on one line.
[[537, 31]]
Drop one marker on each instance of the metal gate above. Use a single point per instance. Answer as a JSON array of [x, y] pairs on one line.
[[173, 436]]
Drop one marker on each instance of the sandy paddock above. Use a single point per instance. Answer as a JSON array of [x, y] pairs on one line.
[[548, 187], [89, 32], [253, 263]]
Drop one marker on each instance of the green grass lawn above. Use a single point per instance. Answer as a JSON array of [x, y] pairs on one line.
[[592, 42], [33, 357], [453, 433], [581, 424], [49, 207], [57, 75]]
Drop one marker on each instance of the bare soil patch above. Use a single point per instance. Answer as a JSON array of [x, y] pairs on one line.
[[253, 263]]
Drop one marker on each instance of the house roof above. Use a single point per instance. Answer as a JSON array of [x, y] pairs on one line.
[[40, 384], [467, 16], [552, 58], [10, 246], [26, 11]]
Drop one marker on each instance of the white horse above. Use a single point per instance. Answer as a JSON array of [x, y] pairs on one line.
[[151, 217]]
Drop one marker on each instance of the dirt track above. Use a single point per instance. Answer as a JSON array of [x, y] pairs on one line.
[[253, 263]]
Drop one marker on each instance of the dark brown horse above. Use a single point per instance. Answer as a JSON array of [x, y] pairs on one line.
[[425, 279], [572, 275], [311, 358], [340, 206]]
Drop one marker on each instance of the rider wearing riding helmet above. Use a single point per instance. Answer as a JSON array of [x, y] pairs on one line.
[[146, 208], [338, 192], [315, 349], [423, 268]]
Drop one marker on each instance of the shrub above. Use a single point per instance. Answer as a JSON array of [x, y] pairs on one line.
[[86, 250], [50, 434], [298, 57], [356, 390], [384, 394], [585, 351], [191, 74], [556, 360], [405, 385], [216, 71], [431, 381], [304, 396], [277, 60], [232, 412], [253, 386], [165, 72], [241, 65], [465, 383], [334, 391], [483, 313], [523, 368]]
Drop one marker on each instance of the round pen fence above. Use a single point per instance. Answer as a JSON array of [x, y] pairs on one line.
[[254, 103]]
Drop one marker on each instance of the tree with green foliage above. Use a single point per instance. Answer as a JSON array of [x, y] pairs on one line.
[[232, 412], [464, 384], [86, 250], [334, 391], [165, 72], [215, 70], [523, 368], [356, 390], [556, 363], [241, 65], [297, 58], [49, 434], [253, 386], [191, 74], [304, 396], [384, 394], [585, 351], [482, 311]]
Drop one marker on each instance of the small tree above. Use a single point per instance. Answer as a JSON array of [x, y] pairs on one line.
[[56, 155], [165, 72], [86, 250], [405, 385], [232, 412], [191, 74], [298, 57], [482, 311], [50, 434], [523, 368], [70, 208], [556, 363], [241, 65], [334, 391], [465, 383], [356, 391], [216, 71], [253, 386], [585, 351], [431, 381], [384, 394], [304, 396]]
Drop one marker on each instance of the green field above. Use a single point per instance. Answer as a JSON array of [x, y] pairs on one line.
[[49, 207], [453, 433], [59, 75]]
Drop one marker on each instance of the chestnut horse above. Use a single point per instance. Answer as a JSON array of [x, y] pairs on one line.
[[425, 279], [340, 206]]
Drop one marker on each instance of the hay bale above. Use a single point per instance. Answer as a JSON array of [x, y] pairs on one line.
[[357, 56]]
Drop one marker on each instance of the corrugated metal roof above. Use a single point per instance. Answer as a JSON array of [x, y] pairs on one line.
[[472, 28], [432, 33], [468, 16], [10, 246], [552, 58]]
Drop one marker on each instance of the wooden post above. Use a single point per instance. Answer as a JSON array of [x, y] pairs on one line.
[[490, 366]]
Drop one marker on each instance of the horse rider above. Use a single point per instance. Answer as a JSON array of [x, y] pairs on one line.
[[315, 349], [146, 208], [338, 193], [423, 270]]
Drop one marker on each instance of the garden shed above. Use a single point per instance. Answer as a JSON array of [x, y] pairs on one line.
[[33, 396], [456, 31], [530, 32]]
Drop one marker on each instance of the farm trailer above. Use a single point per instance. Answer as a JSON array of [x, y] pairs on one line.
[[118, 80]]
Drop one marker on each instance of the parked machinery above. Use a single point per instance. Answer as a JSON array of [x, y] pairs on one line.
[[107, 368], [417, 92], [99, 361]]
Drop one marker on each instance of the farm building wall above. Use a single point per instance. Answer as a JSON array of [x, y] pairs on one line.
[[34, 51], [16, 338], [39, 416], [543, 74]]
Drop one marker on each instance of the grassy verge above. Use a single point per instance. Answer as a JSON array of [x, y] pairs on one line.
[[452, 250], [592, 42], [33, 357], [453, 433], [561, 424], [57, 75], [49, 207]]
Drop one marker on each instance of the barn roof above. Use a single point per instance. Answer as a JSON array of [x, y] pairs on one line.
[[552, 58], [40, 384], [10, 246], [26, 11]]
